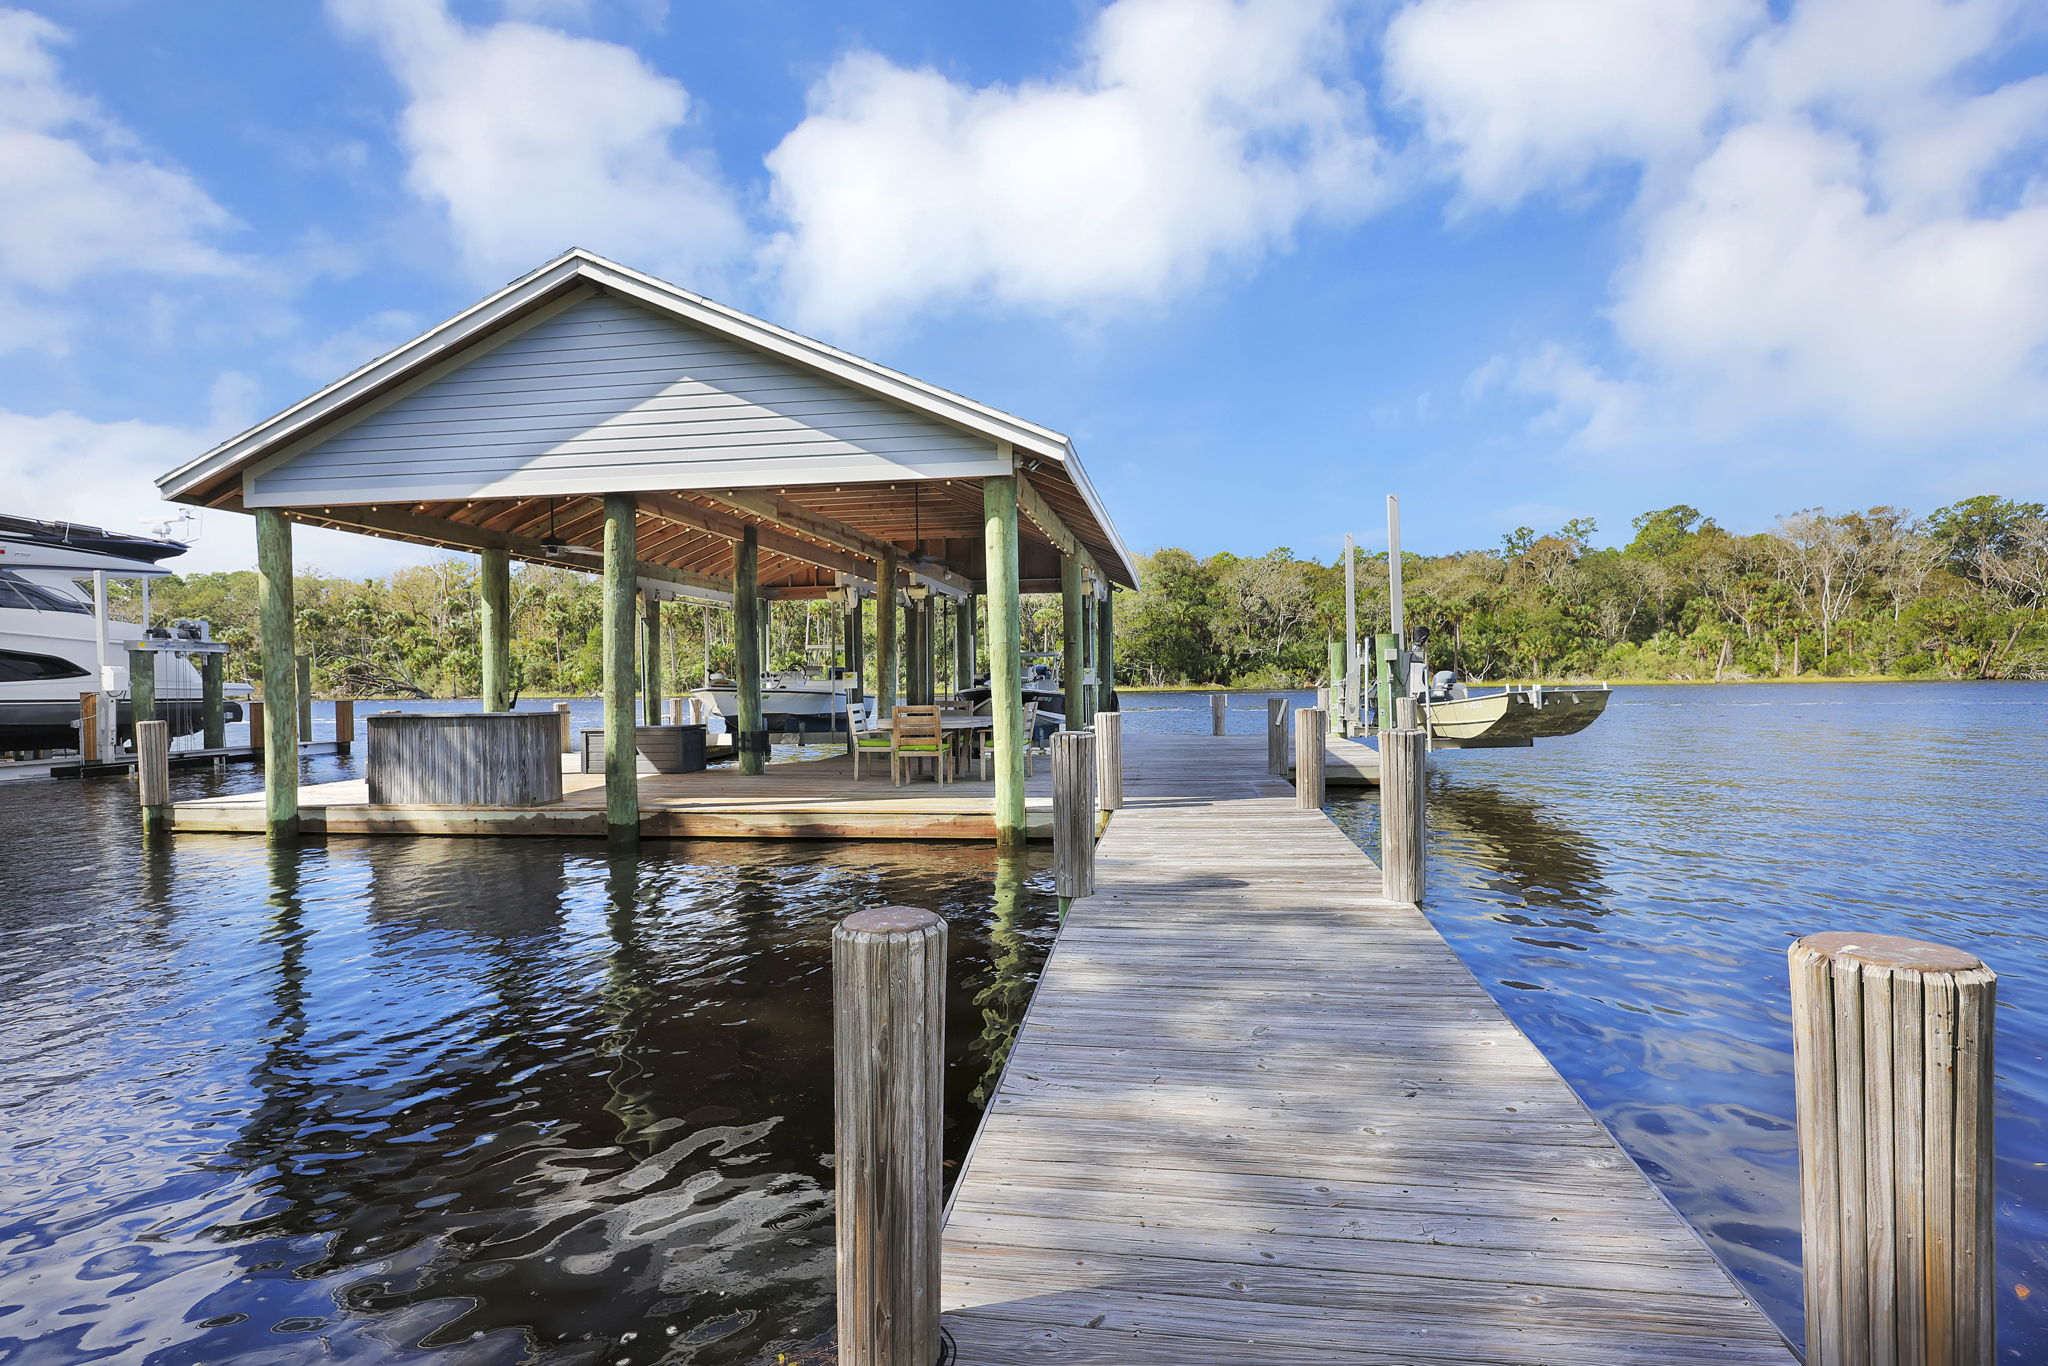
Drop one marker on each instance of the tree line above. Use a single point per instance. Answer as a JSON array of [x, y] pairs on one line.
[[1957, 594]]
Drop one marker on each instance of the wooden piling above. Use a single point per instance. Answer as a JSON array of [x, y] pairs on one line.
[[1217, 703], [888, 1027], [304, 696], [494, 626], [1310, 739], [1403, 824], [650, 656], [276, 634], [621, 757], [253, 711], [344, 725], [1073, 645], [1276, 736], [153, 775], [142, 685], [1341, 708], [213, 701], [885, 634], [750, 731], [562, 718], [1005, 667], [1109, 760], [1892, 1064], [1073, 814]]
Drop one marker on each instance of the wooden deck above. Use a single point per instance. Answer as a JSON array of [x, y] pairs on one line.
[[803, 799], [1258, 1115]]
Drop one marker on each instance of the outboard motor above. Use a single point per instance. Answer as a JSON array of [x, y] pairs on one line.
[[1441, 686]]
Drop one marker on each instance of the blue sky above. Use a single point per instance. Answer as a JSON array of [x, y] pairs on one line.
[[1516, 260]]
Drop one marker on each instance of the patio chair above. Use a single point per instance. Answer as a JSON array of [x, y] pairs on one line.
[[917, 734], [1030, 724], [867, 739]]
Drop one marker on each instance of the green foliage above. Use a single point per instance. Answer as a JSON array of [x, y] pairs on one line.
[[1961, 595], [1852, 593]]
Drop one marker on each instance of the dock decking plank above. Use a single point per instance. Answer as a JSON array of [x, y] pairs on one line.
[[1258, 1115]]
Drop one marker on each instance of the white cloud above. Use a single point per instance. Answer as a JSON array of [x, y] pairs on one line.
[[1193, 133], [83, 199], [531, 140], [1523, 94], [1779, 283], [1831, 223]]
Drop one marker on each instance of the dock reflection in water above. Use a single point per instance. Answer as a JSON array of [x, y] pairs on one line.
[[463, 1100], [1628, 895]]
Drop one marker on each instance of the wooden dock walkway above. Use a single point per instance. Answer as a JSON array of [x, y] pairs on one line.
[[1257, 1114], [801, 799]]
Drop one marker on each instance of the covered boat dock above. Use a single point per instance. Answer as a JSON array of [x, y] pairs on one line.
[[591, 416]]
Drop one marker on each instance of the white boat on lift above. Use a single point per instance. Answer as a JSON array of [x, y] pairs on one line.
[[59, 639], [791, 699]]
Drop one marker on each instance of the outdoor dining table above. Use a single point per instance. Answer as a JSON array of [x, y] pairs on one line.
[[949, 724]]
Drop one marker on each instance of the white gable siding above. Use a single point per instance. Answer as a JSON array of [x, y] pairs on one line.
[[608, 396]]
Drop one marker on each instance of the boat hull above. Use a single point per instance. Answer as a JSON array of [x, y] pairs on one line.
[[1513, 719]]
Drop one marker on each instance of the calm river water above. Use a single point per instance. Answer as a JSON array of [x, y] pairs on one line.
[[506, 1101], [468, 1101]]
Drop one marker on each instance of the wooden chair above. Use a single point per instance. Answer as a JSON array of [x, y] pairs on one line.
[[867, 739], [1032, 745], [1030, 724], [915, 734]]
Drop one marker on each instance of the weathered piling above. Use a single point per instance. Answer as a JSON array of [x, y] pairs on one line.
[[562, 719], [1073, 814], [1109, 760], [1276, 736], [888, 1027], [142, 684], [253, 709], [1217, 702], [1310, 739], [1403, 824], [344, 725], [675, 711], [305, 668], [153, 775], [1340, 699], [1892, 1062], [213, 701]]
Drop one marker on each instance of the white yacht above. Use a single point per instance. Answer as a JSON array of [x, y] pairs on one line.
[[58, 639]]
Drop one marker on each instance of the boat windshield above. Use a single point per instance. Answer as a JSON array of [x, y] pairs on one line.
[[16, 591]]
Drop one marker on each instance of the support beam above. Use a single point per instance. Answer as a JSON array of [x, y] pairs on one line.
[[885, 637], [142, 685], [494, 597], [1105, 653], [278, 648], [421, 530], [650, 656], [752, 739], [1074, 664], [697, 517], [621, 756], [963, 643], [1032, 504], [213, 701], [1006, 674], [832, 532], [856, 654]]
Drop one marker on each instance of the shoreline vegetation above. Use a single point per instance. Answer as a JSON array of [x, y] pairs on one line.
[[1879, 595]]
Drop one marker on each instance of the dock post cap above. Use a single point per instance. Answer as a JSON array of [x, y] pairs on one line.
[[1889, 951], [890, 920]]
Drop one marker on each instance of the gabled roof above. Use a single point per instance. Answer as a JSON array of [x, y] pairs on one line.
[[214, 478]]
